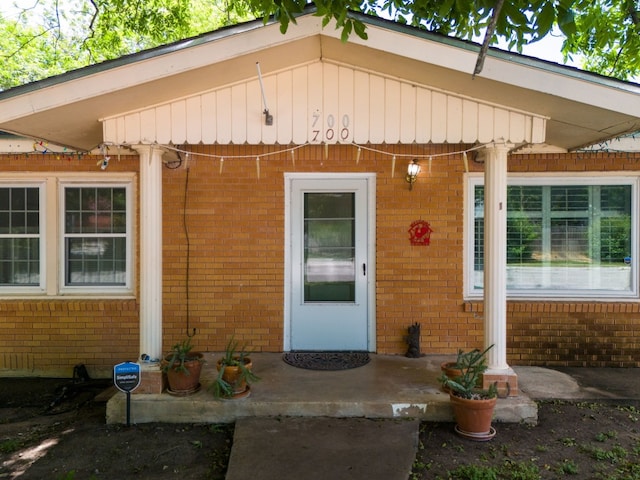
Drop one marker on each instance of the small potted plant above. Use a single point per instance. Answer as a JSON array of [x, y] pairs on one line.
[[472, 406], [182, 368], [234, 373]]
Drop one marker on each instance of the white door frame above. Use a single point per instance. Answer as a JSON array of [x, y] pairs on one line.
[[371, 248]]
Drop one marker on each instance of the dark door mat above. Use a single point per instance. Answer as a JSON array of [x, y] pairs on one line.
[[326, 360]]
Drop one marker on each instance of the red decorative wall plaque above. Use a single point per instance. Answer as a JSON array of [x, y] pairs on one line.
[[420, 233]]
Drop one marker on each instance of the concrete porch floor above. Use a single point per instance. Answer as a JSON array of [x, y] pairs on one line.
[[388, 386]]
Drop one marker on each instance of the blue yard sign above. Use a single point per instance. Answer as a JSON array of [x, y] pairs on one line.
[[126, 377]]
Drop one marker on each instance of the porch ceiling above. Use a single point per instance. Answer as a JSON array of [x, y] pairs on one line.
[[67, 110]]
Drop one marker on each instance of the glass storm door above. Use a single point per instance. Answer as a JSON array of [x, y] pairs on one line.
[[329, 263]]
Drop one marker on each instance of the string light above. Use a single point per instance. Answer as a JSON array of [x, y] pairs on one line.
[[43, 148]]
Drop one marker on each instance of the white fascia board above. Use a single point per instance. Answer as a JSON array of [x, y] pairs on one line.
[[156, 67], [623, 98], [413, 47]]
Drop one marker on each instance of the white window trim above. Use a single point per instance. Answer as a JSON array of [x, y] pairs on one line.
[[42, 189], [52, 236], [548, 178], [101, 289]]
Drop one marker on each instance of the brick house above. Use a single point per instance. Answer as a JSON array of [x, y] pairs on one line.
[[252, 184]]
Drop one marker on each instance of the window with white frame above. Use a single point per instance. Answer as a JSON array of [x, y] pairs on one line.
[[566, 238], [61, 235], [95, 235], [20, 236]]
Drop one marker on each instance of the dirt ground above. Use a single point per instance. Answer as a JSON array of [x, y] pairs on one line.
[[585, 440], [54, 430]]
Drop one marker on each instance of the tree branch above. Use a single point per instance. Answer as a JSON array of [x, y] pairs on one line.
[[488, 35]]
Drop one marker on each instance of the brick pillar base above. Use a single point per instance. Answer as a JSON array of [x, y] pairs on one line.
[[507, 383], [151, 380]]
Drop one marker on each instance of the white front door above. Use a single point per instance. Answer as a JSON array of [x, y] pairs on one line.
[[330, 262]]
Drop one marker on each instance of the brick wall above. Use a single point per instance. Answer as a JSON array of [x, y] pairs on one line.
[[235, 223], [48, 336], [235, 252]]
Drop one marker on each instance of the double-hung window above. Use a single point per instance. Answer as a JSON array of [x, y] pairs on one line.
[[66, 235], [566, 237], [21, 241], [95, 247]]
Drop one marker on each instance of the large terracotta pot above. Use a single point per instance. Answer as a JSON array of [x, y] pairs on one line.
[[181, 383], [473, 417], [232, 375]]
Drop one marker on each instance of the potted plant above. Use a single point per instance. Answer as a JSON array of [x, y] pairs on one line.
[[182, 368], [472, 406], [234, 373]]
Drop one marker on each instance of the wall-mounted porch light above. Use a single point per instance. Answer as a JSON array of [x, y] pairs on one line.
[[412, 173]]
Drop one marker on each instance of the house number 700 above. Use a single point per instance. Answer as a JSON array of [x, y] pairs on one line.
[[330, 130]]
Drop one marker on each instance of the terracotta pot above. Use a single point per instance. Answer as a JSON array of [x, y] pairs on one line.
[[181, 383], [232, 375], [473, 417]]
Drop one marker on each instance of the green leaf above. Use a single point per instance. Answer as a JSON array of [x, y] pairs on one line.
[[360, 29], [566, 21], [346, 31], [544, 20]]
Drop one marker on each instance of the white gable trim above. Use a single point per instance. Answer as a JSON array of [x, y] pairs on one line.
[[326, 102]]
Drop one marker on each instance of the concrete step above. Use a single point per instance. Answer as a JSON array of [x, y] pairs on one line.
[[387, 387]]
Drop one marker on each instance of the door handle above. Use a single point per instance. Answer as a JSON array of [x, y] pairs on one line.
[[364, 269]]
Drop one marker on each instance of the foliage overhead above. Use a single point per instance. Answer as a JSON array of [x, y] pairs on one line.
[[46, 37], [605, 32]]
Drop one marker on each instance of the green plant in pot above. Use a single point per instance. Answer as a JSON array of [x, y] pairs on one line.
[[473, 406], [182, 368], [234, 373]]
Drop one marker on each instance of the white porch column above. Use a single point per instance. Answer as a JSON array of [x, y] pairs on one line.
[[150, 251], [495, 268]]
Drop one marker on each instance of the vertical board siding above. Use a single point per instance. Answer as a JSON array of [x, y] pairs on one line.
[[179, 122], [423, 115], [376, 109], [223, 115], [362, 94], [239, 113], [325, 103], [194, 120], [393, 112], [408, 102], [163, 125], [208, 105], [314, 113], [299, 98], [331, 104], [285, 108], [132, 126], [269, 133], [254, 113], [346, 101]]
